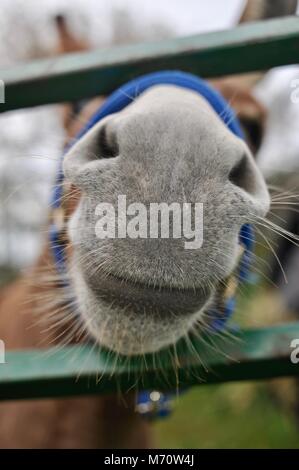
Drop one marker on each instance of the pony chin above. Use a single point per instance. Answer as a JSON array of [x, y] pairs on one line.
[[127, 332]]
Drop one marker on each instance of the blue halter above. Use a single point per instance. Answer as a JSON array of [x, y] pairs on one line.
[[117, 101]]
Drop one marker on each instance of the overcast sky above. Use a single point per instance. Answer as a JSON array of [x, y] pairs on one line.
[[186, 16]]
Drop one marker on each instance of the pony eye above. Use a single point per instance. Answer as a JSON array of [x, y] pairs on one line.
[[108, 145], [254, 132]]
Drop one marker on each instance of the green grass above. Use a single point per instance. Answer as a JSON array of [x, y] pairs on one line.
[[227, 416], [236, 415]]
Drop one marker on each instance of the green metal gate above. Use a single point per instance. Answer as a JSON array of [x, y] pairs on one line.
[[80, 370]]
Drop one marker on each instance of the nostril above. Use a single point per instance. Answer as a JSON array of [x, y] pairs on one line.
[[107, 143], [246, 175], [92, 153], [240, 175]]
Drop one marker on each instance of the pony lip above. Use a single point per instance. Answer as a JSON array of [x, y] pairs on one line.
[[144, 297]]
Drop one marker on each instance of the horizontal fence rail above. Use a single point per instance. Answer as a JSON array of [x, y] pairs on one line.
[[246, 48], [74, 370]]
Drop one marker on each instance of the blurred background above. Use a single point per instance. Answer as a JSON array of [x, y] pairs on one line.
[[31, 142]]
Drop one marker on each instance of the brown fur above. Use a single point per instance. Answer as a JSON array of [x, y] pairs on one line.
[[63, 423]]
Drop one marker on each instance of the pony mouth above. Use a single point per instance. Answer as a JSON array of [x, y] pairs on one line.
[[131, 318], [147, 297]]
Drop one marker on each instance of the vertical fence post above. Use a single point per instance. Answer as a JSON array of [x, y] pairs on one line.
[[2, 91]]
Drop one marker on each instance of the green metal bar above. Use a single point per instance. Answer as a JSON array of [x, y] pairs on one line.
[[249, 47], [253, 354]]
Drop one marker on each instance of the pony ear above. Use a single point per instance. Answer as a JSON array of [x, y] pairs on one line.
[[91, 152], [262, 9]]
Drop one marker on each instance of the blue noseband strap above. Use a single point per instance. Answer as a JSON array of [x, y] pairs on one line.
[[131, 90]]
